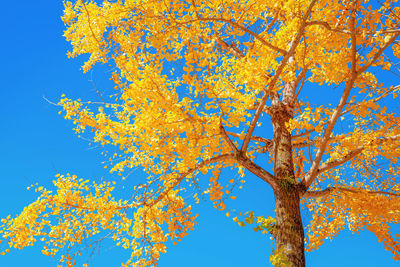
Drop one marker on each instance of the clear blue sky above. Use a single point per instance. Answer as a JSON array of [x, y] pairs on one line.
[[36, 143]]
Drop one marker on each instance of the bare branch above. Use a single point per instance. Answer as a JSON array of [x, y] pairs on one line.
[[50, 102]]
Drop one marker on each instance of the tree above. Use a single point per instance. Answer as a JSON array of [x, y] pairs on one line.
[[195, 81]]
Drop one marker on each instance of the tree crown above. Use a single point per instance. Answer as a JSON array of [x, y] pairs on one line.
[[197, 85]]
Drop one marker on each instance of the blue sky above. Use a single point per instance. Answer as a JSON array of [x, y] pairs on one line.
[[37, 143]]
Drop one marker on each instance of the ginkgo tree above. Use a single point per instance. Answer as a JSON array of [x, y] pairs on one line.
[[196, 83]]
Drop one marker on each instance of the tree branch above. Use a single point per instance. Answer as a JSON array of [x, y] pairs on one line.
[[348, 109], [90, 23], [278, 72], [268, 143], [238, 26], [329, 28], [226, 137], [246, 162], [312, 173], [301, 76], [232, 49], [254, 138], [303, 144], [267, 110], [378, 54], [330, 190], [257, 170], [188, 172], [337, 162]]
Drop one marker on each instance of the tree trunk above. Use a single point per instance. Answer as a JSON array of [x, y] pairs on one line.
[[289, 232]]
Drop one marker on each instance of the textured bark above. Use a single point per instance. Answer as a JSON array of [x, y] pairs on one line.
[[289, 232]]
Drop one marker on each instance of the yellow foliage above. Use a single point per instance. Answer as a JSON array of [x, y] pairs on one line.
[[189, 76]]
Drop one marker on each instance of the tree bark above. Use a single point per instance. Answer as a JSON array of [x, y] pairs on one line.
[[288, 232]]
